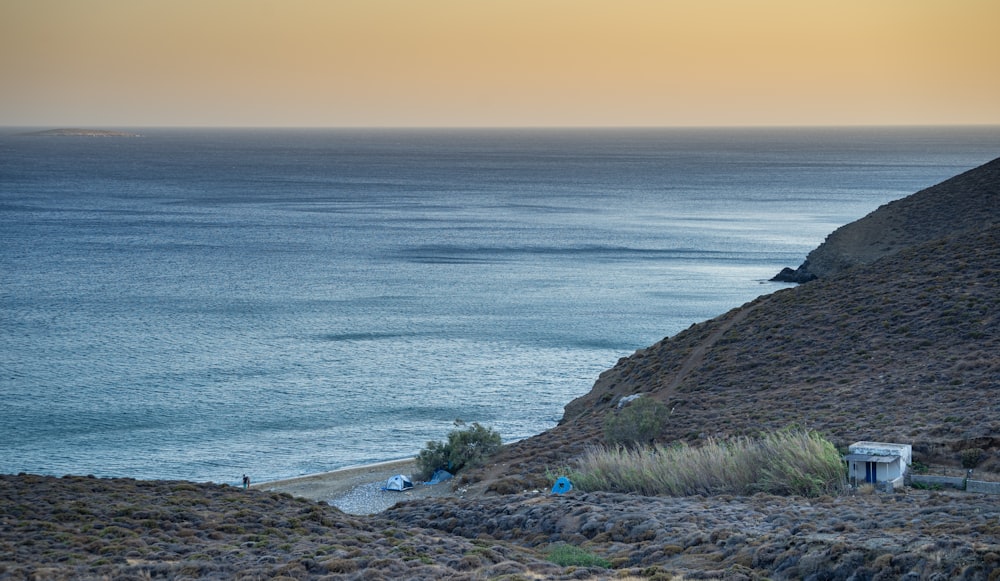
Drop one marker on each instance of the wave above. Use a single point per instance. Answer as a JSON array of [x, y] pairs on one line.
[[445, 254], [356, 337]]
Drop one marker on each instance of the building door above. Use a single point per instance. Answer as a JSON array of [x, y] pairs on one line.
[[871, 471]]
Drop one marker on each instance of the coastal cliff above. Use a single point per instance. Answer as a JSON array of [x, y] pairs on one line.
[[967, 202], [904, 346]]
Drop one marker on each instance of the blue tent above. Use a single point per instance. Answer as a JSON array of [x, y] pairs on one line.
[[439, 476], [398, 483], [562, 485]]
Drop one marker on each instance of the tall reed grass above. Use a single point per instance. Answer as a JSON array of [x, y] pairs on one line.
[[789, 462]]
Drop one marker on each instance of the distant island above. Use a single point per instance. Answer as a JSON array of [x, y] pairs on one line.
[[72, 132]]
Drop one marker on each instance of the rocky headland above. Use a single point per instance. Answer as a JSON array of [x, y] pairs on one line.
[[966, 202], [74, 132], [897, 338]]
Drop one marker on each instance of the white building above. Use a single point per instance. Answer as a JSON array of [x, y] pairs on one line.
[[878, 462]]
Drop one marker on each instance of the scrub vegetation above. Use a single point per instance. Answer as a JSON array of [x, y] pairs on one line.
[[572, 556], [637, 423], [467, 447], [790, 462]]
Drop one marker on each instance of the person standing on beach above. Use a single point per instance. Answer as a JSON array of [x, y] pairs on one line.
[[246, 481]]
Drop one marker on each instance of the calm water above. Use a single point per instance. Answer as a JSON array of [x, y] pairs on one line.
[[199, 304]]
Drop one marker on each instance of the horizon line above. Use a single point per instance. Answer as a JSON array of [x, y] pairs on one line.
[[513, 127]]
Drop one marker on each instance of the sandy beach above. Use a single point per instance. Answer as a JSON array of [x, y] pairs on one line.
[[358, 489]]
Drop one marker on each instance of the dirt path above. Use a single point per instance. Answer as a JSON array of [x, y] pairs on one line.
[[698, 353]]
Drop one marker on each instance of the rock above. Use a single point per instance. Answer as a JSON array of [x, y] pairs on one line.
[[799, 275], [628, 399]]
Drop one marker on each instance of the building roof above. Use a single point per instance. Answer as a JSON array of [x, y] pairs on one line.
[[871, 458], [884, 445]]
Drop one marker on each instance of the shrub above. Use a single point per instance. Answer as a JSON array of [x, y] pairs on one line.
[[432, 457], [971, 457], [636, 424], [571, 556], [465, 448]]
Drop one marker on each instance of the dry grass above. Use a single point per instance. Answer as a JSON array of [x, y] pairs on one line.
[[793, 462]]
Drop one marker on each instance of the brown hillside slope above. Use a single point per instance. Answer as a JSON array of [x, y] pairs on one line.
[[87, 528], [906, 349], [968, 201]]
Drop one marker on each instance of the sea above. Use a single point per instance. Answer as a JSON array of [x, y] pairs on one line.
[[202, 303]]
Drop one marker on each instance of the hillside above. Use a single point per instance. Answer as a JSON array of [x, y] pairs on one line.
[[903, 348], [966, 202]]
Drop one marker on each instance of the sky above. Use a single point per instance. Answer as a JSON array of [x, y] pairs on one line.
[[498, 63]]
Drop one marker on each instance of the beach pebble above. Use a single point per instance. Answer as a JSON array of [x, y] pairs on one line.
[[369, 499]]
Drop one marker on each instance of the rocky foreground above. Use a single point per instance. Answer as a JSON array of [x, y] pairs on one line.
[[88, 528]]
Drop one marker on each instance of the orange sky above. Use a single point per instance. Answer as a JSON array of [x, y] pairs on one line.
[[498, 62]]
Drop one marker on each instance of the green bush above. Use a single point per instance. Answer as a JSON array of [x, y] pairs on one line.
[[465, 448], [636, 424], [571, 556], [432, 457], [971, 457]]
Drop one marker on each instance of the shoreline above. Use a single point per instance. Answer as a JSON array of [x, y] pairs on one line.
[[358, 489], [401, 466]]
